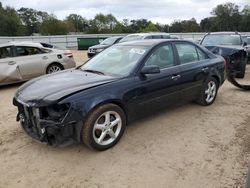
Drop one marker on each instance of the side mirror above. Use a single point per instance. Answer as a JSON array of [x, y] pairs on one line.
[[150, 69], [244, 44]]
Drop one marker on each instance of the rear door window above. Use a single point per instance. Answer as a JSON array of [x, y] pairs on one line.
[[166, 36], [189, 53], [156, 36], [201, 54], [148, 37], [5, 52], [26, 50]]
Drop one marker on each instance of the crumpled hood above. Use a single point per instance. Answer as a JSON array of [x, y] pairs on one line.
[[51, 88], [224, 50]]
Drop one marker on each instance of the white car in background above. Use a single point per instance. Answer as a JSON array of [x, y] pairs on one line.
[[21, 61]]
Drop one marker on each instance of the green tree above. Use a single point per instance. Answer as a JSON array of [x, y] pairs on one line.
[[32, 19], [10, 24], [190, 25], [53, 26], [150, 28], [138, 25], [228, 16], [76, 23], [245, 21], [103, 24], [176, 27]]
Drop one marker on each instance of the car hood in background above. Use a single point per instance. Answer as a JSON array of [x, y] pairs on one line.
[[51, 88]]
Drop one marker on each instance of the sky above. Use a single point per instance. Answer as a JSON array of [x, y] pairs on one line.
[[161, 11]]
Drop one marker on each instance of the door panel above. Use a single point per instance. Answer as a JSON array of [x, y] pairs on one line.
[[9, 71], [193, 76], [194, 69], [31, 63], [161, 89]]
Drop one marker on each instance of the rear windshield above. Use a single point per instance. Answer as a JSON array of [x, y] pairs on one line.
[[221, 40]]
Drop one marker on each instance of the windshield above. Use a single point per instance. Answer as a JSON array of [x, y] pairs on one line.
[[116, 60], [108, 41], [222, 40], [131, 38]]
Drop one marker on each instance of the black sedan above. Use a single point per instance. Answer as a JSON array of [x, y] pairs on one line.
[[93, 103], [93, 50]]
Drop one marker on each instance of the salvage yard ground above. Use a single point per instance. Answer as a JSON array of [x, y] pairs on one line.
[[188, 146]]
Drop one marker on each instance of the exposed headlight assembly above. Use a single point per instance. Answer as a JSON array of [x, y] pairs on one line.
[[56, 112]]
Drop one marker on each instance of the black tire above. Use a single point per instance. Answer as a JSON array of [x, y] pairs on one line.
[[202, 100], [88, 131], [56, 66]]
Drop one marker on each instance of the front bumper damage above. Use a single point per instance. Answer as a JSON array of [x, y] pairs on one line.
[[48, 131]]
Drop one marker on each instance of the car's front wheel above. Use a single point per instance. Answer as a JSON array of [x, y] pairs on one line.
[[209, 92], [104, 127]]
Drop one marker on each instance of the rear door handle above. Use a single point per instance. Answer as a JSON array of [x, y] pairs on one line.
[[205, 69], [45, 57], [11, 63], [176, 77]]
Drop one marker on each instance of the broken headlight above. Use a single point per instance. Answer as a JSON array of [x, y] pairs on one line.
[[55, 112]]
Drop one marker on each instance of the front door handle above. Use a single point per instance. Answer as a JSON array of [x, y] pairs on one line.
[[176, 77], [45, 57], [205, 69], [11, 63]]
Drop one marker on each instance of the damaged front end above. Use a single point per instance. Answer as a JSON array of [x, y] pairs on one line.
[[237, 70], [51, 124], [236, 63]]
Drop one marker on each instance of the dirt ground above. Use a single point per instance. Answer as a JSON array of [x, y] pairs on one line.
[[188, 146]]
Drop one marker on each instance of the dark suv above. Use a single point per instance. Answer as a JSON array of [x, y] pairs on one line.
[[93, 50], [230, 45]]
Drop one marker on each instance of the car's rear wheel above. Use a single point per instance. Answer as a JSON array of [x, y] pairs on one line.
[[104, 127], [209, 92], [54, 68]]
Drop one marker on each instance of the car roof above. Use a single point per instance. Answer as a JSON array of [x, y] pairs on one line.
[[224, 33], [150, 33], [116, 37], [20, 43], [148, 42]]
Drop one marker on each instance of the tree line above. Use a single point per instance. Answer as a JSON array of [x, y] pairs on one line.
[[28, 21]]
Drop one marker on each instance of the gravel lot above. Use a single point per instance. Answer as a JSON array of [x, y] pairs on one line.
[[187, 146]]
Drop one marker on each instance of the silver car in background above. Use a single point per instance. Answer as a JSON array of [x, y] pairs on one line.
[[150, 35], [21, 61]]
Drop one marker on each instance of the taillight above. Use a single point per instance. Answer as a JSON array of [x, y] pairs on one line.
[[69, 54]]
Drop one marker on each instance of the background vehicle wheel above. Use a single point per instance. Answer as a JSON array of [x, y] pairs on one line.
[[104, 127], [54, 68], [209, 92]]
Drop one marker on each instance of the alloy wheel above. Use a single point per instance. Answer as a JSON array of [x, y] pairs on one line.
[[107, 128], [53, 68], [210, 91]]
